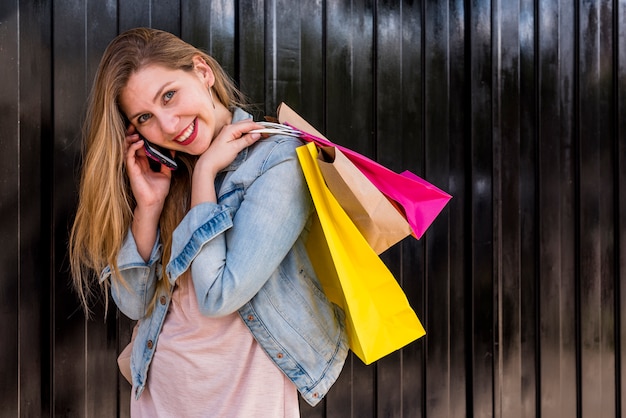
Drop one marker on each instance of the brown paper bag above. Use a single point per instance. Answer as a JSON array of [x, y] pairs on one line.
[[377, 218], [289, 116], [418, 201], [374, 215], [123, 360]]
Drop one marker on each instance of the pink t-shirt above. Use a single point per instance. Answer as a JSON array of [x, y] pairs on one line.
[[211, 367]]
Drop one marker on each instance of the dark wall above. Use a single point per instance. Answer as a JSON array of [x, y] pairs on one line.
[[516, 108]]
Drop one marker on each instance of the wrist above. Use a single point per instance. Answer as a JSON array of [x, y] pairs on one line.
[[147, 215], [144, 228], [204, 168], [203, 184]]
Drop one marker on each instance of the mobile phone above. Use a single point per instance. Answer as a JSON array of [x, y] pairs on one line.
[[158, 154]]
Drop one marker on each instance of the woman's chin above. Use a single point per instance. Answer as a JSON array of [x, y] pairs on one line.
[[196, 150]]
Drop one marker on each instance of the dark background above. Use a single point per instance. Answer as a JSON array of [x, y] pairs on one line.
[[515, 107]]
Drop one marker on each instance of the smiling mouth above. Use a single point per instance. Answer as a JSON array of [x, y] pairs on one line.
[[188, 134]]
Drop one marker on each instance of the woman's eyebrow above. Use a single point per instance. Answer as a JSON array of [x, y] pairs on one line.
[[160, 91], [156, 97]]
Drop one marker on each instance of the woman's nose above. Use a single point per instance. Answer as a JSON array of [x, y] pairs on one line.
[[169, 123]]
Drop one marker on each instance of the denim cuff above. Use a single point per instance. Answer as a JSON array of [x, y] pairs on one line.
[[129, 255], [201, 224]]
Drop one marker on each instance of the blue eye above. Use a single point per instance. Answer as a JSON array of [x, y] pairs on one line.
[[143, 118], [168, 96]]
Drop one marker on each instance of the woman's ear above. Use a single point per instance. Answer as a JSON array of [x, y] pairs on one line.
[[204, 71]]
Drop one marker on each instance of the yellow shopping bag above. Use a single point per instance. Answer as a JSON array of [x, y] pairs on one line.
[[379, 319]]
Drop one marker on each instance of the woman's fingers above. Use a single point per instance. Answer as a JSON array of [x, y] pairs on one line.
[[149, 187], [239, 135], [134, 149], [228, 144]]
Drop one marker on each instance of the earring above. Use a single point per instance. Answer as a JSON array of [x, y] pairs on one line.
[[211, 94]]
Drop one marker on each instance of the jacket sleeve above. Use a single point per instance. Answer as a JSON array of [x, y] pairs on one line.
[[231, 254], [133, 291]]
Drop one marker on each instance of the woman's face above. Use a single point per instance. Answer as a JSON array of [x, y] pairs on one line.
[[173, 108]]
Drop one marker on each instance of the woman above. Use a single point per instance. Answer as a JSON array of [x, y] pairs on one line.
[[210, 257]]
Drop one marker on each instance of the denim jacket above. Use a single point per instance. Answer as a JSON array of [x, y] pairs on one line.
[[247, 254]]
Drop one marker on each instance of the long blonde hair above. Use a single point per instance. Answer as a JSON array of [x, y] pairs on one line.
[[106, 204]]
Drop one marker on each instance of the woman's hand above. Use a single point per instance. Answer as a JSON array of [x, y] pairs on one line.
[[224, 148], [149, 189], [228, 143]]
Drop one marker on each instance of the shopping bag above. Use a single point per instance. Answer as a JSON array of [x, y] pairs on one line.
[[420, 201], [378, 220], [379, 319], [123, 360]]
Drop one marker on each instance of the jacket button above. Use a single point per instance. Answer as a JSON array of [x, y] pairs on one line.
[[316, 395], [279, 355], [250, 317], [149, 344], [162, 299]]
